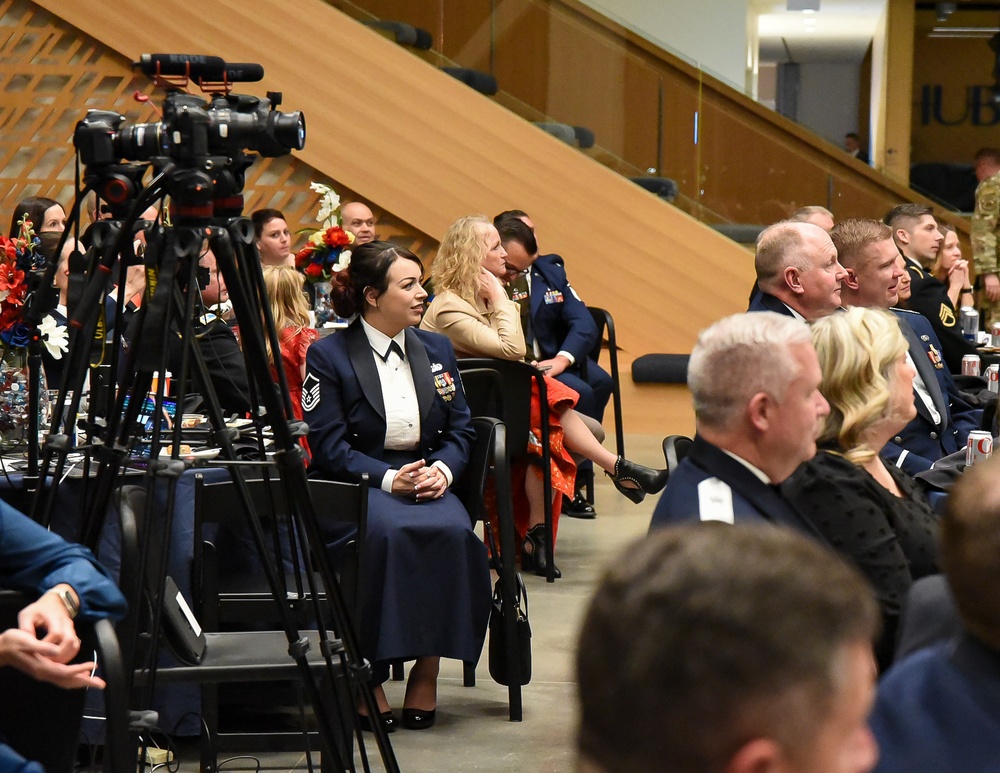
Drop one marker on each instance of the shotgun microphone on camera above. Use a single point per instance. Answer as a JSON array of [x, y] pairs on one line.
[[206, 68]]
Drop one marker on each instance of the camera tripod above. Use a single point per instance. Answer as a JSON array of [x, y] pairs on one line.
[[167, 322]]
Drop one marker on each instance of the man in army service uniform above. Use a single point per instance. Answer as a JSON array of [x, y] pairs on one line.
[[985, 227], [916, 234]]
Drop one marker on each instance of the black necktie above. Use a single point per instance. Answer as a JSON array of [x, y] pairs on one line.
[[393, 347]]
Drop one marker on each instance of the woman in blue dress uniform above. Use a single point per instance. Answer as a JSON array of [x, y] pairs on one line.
[[384, 398]]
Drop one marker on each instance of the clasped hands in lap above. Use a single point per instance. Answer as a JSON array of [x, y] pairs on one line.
[[419, 481]]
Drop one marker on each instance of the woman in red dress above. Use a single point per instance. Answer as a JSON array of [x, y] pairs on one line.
[[290, 311]]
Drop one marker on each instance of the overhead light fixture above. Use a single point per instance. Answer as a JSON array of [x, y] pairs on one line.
[[963, 32], [802, 5], [944, 10]]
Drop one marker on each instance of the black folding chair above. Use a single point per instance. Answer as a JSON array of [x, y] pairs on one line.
[[246, 597], [489, 453], [229, 657], [509, 400], [606, 336], [675, 448]]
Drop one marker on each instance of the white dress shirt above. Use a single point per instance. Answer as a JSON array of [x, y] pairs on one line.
[[921, 389], [399, 396]]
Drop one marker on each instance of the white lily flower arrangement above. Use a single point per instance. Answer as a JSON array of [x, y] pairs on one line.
[[326, 251]]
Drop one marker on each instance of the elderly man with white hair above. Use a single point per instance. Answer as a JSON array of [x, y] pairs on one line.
[[755, 382]]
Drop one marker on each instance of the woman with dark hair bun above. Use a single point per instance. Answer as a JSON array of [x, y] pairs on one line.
[[46, 215], [383, 398]]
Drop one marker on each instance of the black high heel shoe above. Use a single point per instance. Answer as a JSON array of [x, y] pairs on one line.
[[387, 718], [418, 719], [536, 560], [646, 479]]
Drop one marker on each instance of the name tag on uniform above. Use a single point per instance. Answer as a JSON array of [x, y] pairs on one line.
[[553, 296], [715, 501]]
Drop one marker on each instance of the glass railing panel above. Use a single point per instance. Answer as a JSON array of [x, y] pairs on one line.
[[466, 34], [581, 77], [610, 14], [678, 127], [651, 112], [749, 176]]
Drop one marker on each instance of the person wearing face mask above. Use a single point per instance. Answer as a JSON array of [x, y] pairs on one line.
[[385, 399], [44, 214], [871, 512]]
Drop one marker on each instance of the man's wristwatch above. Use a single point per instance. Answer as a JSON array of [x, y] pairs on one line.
[[69, 601]]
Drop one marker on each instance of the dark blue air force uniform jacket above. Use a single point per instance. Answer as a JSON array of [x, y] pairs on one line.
[[342, 404]]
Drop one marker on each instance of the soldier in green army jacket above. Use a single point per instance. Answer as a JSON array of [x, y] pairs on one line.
[[985, 228]]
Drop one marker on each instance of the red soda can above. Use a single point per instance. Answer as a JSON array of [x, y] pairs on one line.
[[992, 376], [970, 365], [979, 447]]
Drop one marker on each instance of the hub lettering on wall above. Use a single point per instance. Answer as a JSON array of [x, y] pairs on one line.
[[968, 105]]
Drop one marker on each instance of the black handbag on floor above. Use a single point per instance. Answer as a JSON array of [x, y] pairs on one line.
[[499, 667]]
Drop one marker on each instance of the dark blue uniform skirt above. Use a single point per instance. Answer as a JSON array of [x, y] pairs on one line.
[[426, 582]]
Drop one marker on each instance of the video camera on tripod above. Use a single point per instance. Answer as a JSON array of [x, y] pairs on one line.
[[198, 153], [209, 136]]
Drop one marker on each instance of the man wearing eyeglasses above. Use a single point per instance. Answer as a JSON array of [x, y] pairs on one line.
[[558, 328]]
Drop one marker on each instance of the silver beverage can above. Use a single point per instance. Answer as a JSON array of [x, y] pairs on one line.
[[970, 365], [995, 335], [970, 323], [979, 447], [992, 376]]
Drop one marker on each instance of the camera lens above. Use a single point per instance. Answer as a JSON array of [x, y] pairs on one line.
[[142, 141], [289, 129]]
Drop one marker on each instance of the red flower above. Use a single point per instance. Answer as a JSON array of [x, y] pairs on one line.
[[9, 314], [302, 257], [314, 270], [336, 237], [10, 277]]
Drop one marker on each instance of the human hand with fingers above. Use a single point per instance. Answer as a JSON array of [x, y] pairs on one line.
[[49, 614], [958, 274], [555, 365], [991, 285], [40, 659], [490, 288], [404, 484], [431, 483]]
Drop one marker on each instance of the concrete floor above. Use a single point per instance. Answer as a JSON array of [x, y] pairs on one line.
[[472, 732]]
